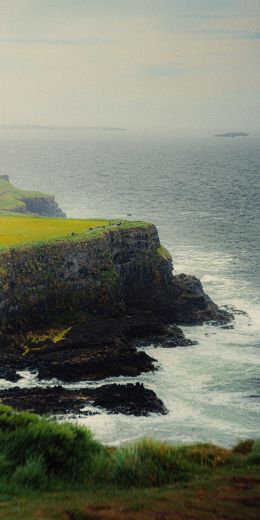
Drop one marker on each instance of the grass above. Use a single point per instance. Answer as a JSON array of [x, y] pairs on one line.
[[231, 495], [17, 231], [12, 198], [58, 471], [35, 452], [163, 252]]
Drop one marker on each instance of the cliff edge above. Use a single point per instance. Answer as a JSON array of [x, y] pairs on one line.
[[106, 270]]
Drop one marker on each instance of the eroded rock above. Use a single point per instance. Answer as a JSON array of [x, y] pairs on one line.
[[128, 399]]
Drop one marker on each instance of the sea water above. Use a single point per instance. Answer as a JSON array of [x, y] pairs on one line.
[[203, 195]]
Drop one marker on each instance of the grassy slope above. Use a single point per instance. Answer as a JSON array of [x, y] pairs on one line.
[[232, 495], [58, 471], [11, 198], [19, 230]]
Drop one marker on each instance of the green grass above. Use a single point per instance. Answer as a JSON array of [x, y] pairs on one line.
[[163, 252], [58, 471], [35, 452], [12, 198], [38, 453], [19, 230]]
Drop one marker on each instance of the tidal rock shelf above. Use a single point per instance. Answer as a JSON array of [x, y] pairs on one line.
[[130, 399]]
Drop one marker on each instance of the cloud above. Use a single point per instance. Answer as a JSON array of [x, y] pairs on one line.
[[138, 64], [238, 34]]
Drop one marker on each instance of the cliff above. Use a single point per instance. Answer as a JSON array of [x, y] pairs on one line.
[[15, 200], [122, 268], [75, 307]]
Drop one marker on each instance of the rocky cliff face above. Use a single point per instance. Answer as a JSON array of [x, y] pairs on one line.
[[126, 268], [45, 206]]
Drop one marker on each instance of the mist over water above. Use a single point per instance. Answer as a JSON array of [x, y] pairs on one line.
[[203, 195]]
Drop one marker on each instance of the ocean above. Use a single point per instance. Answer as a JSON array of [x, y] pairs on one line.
[[203, 195]]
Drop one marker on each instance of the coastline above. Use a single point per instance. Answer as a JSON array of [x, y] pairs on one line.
[[76, 308]]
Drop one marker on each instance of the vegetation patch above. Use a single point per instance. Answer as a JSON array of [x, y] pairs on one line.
[[37, 341], [55, 335], [164, 253], [108, 275], [37, 453]]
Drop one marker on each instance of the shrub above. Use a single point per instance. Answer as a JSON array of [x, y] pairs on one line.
[[206, 454], [254, 455], [243, 447], [147, 463], [59, 451]]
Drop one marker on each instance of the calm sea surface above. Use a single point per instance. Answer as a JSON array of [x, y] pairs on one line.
[[203, 194]]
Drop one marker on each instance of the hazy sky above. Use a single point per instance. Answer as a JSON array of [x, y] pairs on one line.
[[159, 65]]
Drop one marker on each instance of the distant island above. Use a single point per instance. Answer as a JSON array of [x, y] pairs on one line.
[[53, 127], [232, 134]]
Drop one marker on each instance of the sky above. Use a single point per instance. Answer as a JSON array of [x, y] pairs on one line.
[[179, 66]]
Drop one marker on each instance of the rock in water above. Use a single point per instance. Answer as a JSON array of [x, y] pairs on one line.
[[128, 399], [189, 304]]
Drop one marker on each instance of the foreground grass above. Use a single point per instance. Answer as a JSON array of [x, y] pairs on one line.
[[58, 471], [233, 495]]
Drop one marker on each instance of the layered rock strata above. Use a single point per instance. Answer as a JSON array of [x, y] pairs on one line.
[[125, 268]]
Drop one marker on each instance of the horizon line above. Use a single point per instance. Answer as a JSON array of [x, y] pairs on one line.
[[56, 127]]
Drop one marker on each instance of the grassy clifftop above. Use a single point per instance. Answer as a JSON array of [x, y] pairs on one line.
[[15, 200], [12, 198], [19, 230]]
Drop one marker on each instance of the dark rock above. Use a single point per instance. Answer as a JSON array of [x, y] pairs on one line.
[[172, 337], [9, 374], [184, 301], [94, 348], [129, 399], [126, 399], [190, 304], [10, 358], [98, 363], [109, 276], [45, 206]]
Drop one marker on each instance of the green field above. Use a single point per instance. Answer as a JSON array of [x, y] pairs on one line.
[[19, 230], [24, 230]]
